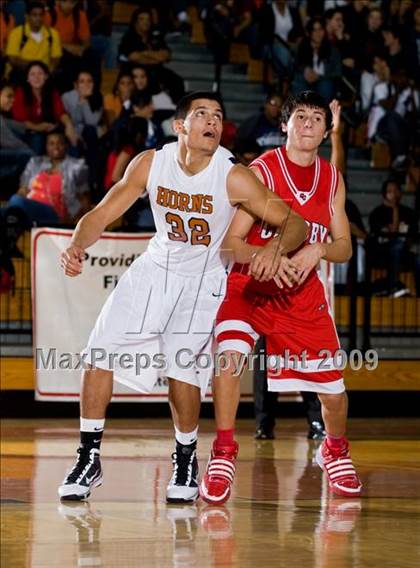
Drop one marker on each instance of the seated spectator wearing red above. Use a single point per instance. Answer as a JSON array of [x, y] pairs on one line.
[[318, 62], [71, 22], [119, 98], [14, 152], [145, 44], [39, 107], [32, 41], [53, 188], [130, 140], [401, 250]]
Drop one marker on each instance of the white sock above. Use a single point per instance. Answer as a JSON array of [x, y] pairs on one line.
[[92, 425], [186, 438]]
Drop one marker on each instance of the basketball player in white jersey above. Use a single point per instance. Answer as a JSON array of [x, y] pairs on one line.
[[167, 300]]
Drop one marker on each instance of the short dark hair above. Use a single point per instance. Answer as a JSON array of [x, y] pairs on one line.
[[387, 182], [141, 98], [309, 99], [184, 104], [35, 6]]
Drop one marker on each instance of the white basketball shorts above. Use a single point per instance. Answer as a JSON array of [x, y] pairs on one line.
[[158, 324]]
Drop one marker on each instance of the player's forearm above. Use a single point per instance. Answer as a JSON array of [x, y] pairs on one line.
[[292, 233], [237, 250], [338, 251], [88, 230]]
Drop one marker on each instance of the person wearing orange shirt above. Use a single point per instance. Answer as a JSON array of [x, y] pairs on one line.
[[71, 22]]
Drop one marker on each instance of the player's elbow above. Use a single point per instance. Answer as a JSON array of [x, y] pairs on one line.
[[346, 252]]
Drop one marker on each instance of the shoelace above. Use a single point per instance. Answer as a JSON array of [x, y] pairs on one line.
[[182, 467], [82, 461]]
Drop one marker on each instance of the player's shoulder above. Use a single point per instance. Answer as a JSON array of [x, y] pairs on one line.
[[224, 155], [265, 158]]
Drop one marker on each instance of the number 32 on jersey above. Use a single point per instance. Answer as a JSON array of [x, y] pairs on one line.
[[200, 230]]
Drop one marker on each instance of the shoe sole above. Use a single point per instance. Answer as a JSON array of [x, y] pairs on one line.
[[336, 490], [75, 497], [213, 501], [179, 500]]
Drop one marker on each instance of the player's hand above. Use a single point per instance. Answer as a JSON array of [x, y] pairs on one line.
[[286, 274], [71, 260], [265, 263], [335, 108], [306, 259]]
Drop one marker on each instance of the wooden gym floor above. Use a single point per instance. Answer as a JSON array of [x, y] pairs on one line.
[[280, 515]]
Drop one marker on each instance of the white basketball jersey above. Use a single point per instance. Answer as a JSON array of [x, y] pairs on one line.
[[191, 213]]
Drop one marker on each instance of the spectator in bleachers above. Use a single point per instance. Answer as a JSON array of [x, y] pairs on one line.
[[318, 62], [337, 35], [33, 41], [144, 44], [99, 14], [14, 152], [264, 127], [355, 14], [370, 39], [7, 23], [400, 251], [39, 107], [246, 151], [119, 98], [130, 140], [140, 77], [53, 188], [71, 22], [218, 29], [399, 58], [142, 107], [412, 40], [280, 28], [398, 13], [384, 124], [84, 104]]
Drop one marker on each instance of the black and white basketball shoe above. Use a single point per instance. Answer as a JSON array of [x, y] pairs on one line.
[[85, 474], [183, 486]]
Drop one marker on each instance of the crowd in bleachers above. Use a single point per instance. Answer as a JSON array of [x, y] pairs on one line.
[[65, 140]]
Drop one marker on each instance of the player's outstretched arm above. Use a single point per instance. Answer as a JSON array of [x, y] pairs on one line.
[[116, 202], [246, 189]]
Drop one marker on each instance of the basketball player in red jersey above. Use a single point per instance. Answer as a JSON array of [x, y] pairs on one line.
[[291, 310]]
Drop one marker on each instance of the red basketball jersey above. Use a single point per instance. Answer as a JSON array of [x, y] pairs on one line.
[[308, 190]]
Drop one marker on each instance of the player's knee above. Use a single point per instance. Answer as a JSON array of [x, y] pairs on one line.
[[332, 402], [229, 364]]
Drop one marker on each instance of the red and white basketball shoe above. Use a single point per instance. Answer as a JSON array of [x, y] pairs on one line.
[[342, 477], [217, 481]]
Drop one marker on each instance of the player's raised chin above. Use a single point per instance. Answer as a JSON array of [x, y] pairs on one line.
[[202, 128], [306, 128]]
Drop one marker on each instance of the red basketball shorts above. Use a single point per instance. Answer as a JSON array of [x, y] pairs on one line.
[[301, 337]]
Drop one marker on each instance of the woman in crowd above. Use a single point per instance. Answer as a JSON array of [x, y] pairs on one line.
[[318, 62], [39, 107], [120, 97]]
